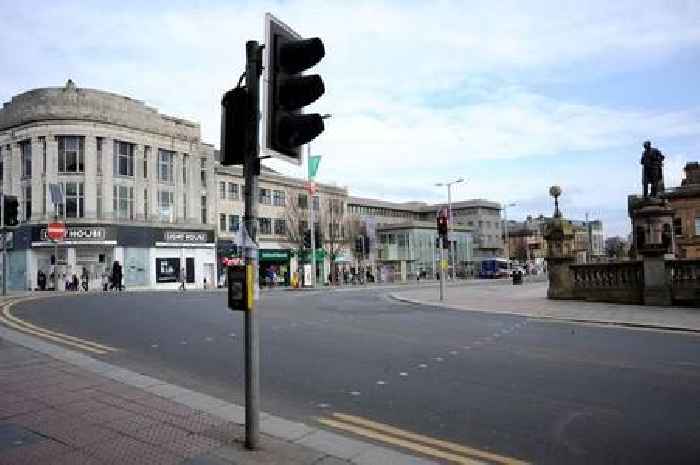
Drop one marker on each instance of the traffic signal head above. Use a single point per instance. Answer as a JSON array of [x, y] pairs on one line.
[[442, 225], [286, 91], [234, 120], [307, 239], [10, 211]]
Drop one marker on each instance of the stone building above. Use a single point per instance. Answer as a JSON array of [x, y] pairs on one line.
[[685, 202], [283, 216], [138, 188]]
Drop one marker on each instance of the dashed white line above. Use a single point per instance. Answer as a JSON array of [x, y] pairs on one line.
[[466, 347], [208, 339], [155, 346], [453, 352], [354, 393], [381, 383], [439, 359], [403, 373], [323, 405], [422, 365], [232, 335], [183, 343]]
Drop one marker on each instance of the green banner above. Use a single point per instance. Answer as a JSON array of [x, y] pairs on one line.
[[314, 161], [305, 256], [271, 255]]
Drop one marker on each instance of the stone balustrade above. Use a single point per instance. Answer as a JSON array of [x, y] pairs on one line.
[[684, 276], [621, 282]]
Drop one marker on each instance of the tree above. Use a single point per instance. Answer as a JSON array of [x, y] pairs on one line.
[[296, 215], [615, 247], [342, 230]]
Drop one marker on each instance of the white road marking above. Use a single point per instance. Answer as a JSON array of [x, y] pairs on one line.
[[381, 383], [323, 405], [438, 359], [422, 365], [453, 352], [183, 343], [155, 346], [403, 373], [466, 347], [355, 393], [232, 335], [208, 339]]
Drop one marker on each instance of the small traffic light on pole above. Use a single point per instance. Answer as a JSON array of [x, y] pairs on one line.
[[442, 228], [307, 239], [234, 120], [286, 91]]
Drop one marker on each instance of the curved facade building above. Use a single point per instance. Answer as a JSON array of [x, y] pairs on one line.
[[138, 188]]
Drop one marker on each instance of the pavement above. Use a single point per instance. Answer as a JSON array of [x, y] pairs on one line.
[[59, 406], [530, 299]]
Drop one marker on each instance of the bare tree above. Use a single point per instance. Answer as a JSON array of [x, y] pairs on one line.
[[296, 215], [341, 233]]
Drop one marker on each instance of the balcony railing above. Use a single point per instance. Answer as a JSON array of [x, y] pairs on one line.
[[621, 275], [684, 273]]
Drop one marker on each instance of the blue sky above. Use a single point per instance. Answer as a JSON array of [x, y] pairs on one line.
[[514, 96]]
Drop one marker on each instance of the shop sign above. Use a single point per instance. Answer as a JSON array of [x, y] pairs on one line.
[[167, 270], [78, 233], [185, 236], [273, 255]]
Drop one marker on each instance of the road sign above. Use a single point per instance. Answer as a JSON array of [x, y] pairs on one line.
[[56, 231]]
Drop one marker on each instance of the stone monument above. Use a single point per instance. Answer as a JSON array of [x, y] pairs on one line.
[[559, 235], [652, 228]]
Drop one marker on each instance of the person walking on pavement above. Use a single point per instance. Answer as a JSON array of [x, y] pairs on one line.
[[181, 276], [117, 276], [105, 280]]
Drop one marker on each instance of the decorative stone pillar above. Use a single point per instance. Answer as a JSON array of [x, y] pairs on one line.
[[107, 178], [51, 171], [91, 179], [652, 233], [37, 178], [559, 235]]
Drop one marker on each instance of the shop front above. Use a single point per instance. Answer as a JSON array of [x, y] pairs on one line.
[[321, 273], [90, 250], [274, 266]]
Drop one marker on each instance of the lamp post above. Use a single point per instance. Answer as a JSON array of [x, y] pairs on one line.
[[449, 216], [311, 212], [506, 247]]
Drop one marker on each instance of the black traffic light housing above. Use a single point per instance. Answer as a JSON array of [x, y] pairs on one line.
[[10, 210], [287, 91], [307, 239], [442, 226], [234, 119]]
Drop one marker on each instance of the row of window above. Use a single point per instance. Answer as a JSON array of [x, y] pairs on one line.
[[382, 211], [71, 159], [231, 223]]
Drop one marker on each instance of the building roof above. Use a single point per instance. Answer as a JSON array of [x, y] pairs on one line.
[[270, 175], [422, 207], [415, 224], [72, 103]]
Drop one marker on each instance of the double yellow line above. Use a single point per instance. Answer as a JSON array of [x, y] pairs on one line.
[[12, 321], [425, 445]]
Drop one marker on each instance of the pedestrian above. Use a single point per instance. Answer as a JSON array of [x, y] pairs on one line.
[[74, 286], [105, 280], [205, 283], [116, 276], [181, 276], [85, 276]]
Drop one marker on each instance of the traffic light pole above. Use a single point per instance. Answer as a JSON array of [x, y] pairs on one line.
[[4, 241], [443, 269], [251, 170], [312, 223]]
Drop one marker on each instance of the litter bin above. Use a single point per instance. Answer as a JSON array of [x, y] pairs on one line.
[[517, 277]]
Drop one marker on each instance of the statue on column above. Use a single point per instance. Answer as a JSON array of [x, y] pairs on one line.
[[652, 171]]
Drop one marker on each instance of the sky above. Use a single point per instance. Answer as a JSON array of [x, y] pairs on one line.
[[512, 96]]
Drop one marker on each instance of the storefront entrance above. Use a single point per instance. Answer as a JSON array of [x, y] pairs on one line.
[[274, 262]]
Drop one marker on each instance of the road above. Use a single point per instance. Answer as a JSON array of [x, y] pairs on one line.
[[542, 392]]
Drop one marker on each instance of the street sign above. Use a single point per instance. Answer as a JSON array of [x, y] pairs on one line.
[[56, 231]]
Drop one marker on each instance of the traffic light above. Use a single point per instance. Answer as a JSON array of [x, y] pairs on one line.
[[10, 210], [307, 239], [442, 226], [287, 91], [359, 245], [234, 120]]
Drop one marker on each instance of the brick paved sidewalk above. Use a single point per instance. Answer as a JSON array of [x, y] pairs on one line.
[[52, 412]]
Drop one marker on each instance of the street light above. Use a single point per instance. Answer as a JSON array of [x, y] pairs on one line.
[[312, 221], [449, 213], [505, 227]]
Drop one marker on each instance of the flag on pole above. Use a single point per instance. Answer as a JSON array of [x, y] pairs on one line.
[[314, 161]]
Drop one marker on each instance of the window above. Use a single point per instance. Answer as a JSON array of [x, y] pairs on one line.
[[184, 205], [278, 198], [27, 203], [185, 167], [204, 209], [99, 201], [123, 162], [222, 190], [678, 227], [98, 147], [280, 227], [25, 149], [145, 204], [203, 171], [234, 223], [165, 206], [70, 154], [697, 225], [232, 191], [222, 222], [165, 166], [146, 157], [74, 199], [303, 201], [265, 196], [42, 139], [123, 202], [265, 225]]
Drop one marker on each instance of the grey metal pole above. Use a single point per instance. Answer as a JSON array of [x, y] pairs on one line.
[[251, 170], [312, 222], [449, 225], [442, 269], [4, 240], [506, 246]]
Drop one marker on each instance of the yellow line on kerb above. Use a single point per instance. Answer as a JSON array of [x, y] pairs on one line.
[[73, 341], [416, 442]]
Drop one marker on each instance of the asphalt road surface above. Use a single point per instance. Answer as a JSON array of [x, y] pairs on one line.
[[544, 392]]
